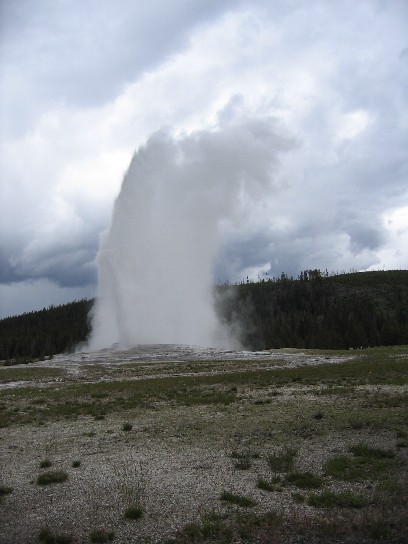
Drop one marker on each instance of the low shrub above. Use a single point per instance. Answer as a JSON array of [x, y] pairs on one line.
[[328, 499], [5, 490], [282, 461], [99, 536], [212, 528], [305, 480], [366, 463], [135, 511], [237, 499], [54, 477], [46, 536], [242, 460], [362, 450], [265, 485]]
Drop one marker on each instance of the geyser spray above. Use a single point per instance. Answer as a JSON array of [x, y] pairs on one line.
[[155, 263]]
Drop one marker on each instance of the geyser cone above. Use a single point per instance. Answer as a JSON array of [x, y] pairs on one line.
[[155, 264]]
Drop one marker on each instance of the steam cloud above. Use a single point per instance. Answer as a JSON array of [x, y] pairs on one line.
[[155, 264]]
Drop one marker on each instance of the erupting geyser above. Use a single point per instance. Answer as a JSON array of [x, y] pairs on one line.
[[155, 263]]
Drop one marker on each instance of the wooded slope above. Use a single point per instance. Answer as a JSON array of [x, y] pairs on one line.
[[49, 331], [313, 311], [319, 311]]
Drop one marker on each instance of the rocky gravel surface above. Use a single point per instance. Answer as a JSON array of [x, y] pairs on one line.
[[176, 460]]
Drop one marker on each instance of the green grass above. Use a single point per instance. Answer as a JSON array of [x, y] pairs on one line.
[[5, 490], [328, 499], [282, 461], [12, 374], [366, 452], [305, 480], [54, 477], [217, 529], [100, 536], [239, 500], [265, 485], [133, 512], [243, 459], [46, 536], [347, 468], [374, 366], [366, 463], [211, 528]]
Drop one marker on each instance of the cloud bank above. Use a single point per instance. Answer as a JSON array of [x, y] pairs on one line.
[[82, 84]]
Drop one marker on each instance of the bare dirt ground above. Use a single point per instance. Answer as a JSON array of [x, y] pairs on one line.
[[193, 414]]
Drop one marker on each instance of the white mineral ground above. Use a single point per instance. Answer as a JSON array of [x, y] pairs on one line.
[[176, 459]]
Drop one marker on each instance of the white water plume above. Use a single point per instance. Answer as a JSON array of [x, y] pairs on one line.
[[155, 263]]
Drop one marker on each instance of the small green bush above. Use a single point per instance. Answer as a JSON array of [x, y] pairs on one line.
[[341, 466], [305, 480], [46, 536], [264, 485], [135, 511], [212, 528], [327, 499], [237, 499], [54, 477], [242, 460], [5, 490], [282, 461], [100, 536], [298, 497], [378, 528], [366, 462], [127, 427], [76, 464], [362, 450], [46, 463]]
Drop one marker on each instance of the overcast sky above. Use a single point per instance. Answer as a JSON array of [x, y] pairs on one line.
[[84, 83]]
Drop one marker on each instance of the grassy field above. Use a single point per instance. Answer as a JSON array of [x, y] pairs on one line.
[[207, 451]]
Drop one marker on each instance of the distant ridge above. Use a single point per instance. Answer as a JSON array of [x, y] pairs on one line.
[[315, 310], [318, 310], [35, 335]]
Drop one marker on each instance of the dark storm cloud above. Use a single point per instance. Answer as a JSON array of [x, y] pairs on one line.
[[65, 266], [85, 82]]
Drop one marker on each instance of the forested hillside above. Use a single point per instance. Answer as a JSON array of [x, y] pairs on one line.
[[49, 331], [321, 311], [313, 311]]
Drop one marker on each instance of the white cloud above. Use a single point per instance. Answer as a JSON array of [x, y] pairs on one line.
[[85, 83]]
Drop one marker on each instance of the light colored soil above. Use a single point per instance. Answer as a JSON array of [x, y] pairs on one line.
[[176, 460]]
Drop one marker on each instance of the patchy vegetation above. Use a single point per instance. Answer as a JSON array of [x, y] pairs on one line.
[[207, 459], [54, 477]]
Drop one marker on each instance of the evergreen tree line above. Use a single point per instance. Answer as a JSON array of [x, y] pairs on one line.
[[53, 330], [320, 311], [315, 310]]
